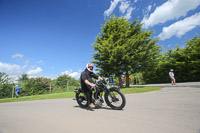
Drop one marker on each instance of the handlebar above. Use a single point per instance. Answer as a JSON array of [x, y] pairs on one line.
[[101, 81], [94, 88]]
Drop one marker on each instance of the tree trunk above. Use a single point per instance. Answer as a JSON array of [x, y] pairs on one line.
[[67, 85], [120, 81], [127, 79]]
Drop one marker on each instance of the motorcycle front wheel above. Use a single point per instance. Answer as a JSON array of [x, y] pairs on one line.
[[82, 100], [115, 99]]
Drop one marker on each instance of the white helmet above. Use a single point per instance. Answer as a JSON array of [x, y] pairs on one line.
[[90, 67]]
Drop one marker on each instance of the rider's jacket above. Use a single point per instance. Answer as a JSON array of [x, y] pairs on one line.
[[17, 88], [86, 75]]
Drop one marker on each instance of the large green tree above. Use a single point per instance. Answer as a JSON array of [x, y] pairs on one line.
[[124, 48], [185, 62], [192, 54]]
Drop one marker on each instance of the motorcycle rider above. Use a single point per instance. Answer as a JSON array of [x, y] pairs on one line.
[[87, 83]]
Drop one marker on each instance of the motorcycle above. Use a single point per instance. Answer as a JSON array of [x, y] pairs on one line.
[[112, 96]]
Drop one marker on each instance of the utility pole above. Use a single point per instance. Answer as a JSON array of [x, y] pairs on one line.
[[50, 88], [67, 85], [13, 91]]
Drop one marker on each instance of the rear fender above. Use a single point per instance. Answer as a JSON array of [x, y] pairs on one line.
[[80, 90]]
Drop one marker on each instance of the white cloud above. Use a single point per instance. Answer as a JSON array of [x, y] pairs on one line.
[[146, 11], [35, 72], [75, 75], [113, 5], [181, 27], [15, 70], [124, 6], [26, 62], [24, 66], [18, 55], [52, 67], [10, 69], [149, 8], [172, 9], [129, 12], [41, 62]]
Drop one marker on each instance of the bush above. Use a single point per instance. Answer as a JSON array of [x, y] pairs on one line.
[[137, 79]]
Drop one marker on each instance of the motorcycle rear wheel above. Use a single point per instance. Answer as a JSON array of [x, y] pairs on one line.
[[82, 100], [115, 99]]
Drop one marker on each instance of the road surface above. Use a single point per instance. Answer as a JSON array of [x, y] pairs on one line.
[[170, 110]]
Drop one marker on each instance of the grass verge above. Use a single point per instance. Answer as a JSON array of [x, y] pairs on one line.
[[139, 89], [72, 95]]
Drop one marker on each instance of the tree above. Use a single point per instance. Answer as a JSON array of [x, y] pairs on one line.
[[35, 86], [192, 56], [5, 85], [64, 81], [123, 48], [3, 78], [24, 77], [185, 62]]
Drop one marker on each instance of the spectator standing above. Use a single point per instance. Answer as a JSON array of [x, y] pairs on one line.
[[171, 75], [17, 91]]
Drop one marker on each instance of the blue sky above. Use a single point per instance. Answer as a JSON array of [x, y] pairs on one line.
[[48, 38]]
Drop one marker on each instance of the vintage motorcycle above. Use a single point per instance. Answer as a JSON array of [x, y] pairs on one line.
[[112, 96]]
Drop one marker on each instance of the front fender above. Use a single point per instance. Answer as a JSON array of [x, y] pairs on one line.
[[112, 88]]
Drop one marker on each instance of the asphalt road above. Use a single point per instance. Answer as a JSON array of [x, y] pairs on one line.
[[171, 110]]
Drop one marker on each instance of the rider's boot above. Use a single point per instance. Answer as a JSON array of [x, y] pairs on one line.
[[91, 105]]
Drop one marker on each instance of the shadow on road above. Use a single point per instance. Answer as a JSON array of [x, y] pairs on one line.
[[90, 109]]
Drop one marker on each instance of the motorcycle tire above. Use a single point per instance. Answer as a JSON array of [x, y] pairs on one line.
[[81, 99], [115, 99]]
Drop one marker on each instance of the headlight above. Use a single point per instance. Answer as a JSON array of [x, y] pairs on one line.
[[106, 80]]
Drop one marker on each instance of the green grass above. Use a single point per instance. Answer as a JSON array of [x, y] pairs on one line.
[[71, 94], [40, 97], [139, 89]]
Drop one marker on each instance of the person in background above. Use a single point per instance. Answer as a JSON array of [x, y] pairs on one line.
[[17, 91], [171, 75]]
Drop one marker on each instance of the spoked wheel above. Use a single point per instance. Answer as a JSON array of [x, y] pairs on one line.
[[115, 99], [81, 99]]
